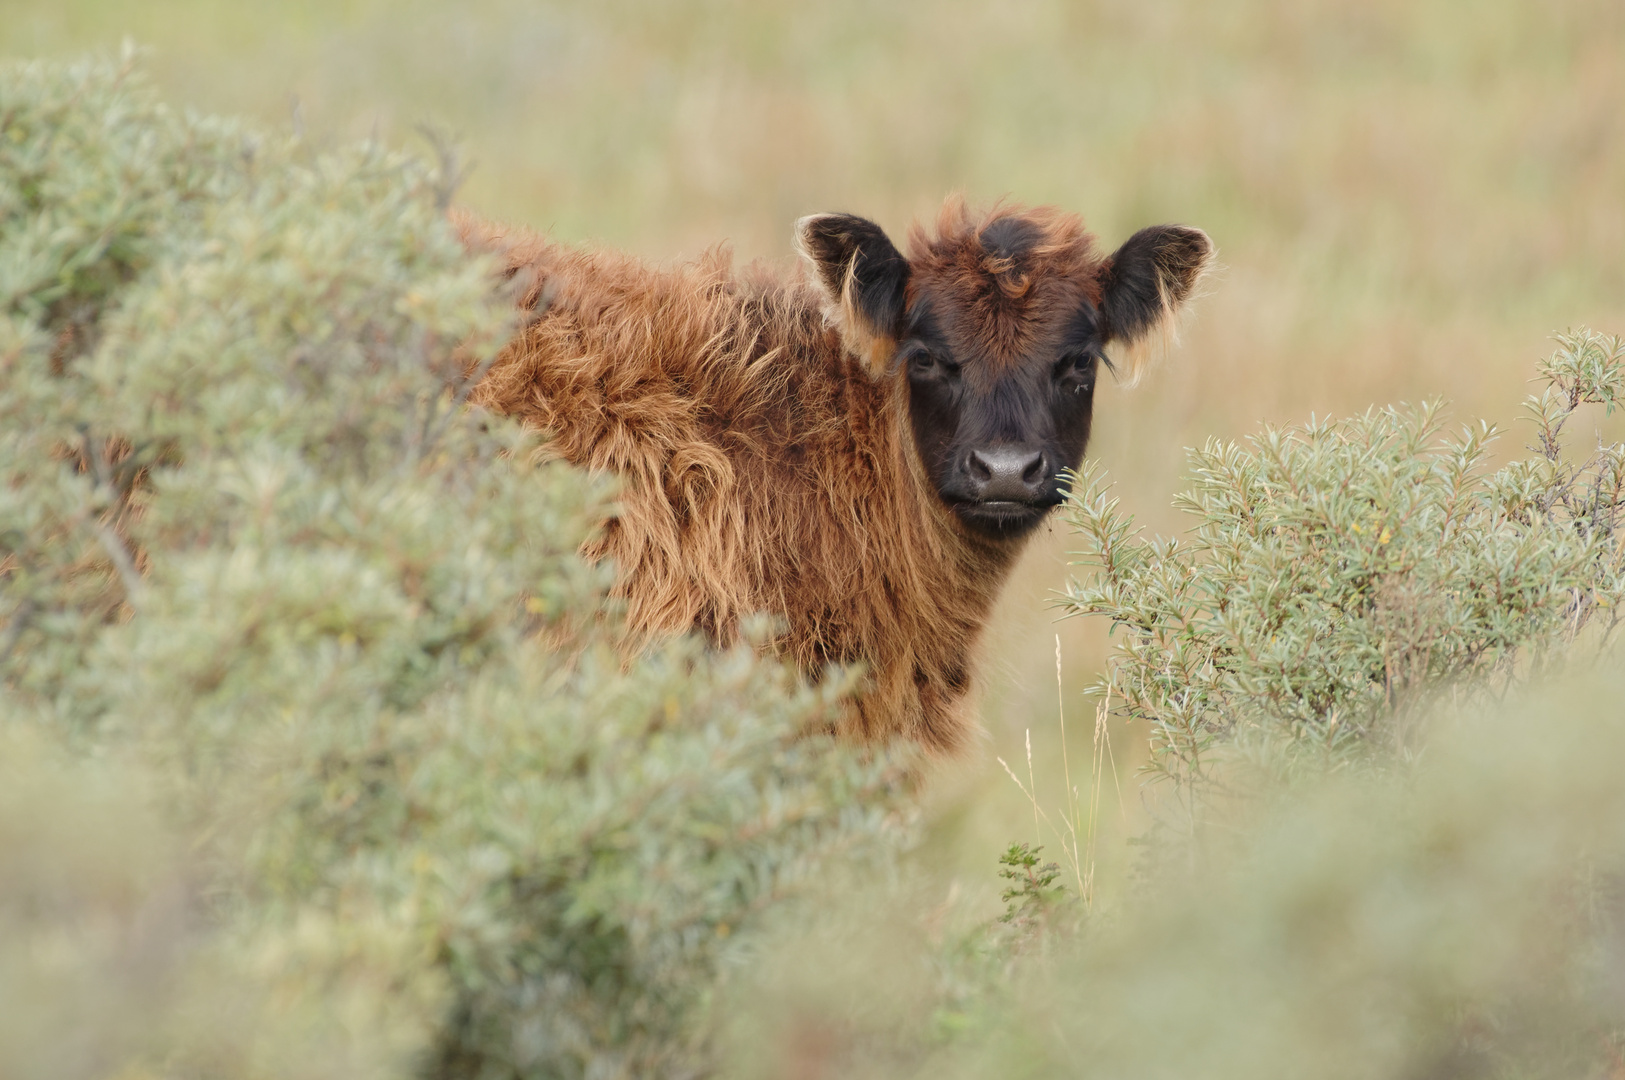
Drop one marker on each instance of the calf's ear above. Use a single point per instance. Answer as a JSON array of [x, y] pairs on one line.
[[1144, 284], [863, 276]]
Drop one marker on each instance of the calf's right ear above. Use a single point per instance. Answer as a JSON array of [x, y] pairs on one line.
[[863, 277], [1144, 284]]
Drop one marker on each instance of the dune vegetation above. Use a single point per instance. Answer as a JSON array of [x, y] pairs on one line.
[[316, 756]]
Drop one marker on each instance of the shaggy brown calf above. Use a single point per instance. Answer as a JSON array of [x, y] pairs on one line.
[[861, 451]]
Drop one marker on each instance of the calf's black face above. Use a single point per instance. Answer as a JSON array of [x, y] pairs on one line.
[[995, 429], [1000, 327]]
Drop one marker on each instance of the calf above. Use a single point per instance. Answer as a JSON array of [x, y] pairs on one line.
[[860, 451]]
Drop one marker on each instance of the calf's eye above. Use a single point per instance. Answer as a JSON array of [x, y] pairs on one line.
[[925, 365], [1078, 374]]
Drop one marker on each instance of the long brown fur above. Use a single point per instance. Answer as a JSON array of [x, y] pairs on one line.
[[766, 468]]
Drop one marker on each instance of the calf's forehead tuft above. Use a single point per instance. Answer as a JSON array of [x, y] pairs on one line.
[[1005, 281], [1040, 238]]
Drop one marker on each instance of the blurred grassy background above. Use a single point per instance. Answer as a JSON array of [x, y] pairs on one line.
[[1409, 196]]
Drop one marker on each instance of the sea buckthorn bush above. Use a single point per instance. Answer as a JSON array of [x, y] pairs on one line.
[[1341, 577], [258, 556]]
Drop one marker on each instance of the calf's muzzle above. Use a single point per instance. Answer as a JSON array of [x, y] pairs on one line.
[[1007, 474]]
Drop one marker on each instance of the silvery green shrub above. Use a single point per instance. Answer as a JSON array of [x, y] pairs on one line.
[[1460, 917], [255, 550], [1340, 577]]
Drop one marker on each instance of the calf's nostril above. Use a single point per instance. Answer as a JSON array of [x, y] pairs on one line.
[[979, 467], [1033, 474]]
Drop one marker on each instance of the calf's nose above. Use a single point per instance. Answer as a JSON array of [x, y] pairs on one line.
[[1007, 473]]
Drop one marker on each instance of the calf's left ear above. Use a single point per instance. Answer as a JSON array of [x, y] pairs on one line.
[[863, 276], [1144, 284]]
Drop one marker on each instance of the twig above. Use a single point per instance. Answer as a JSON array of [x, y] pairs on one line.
[[120, 556], [451, 172], [1066, 769], [19, 622], [1031, 781]]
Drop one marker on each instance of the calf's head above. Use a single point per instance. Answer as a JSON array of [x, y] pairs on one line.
[[1000, 325]]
